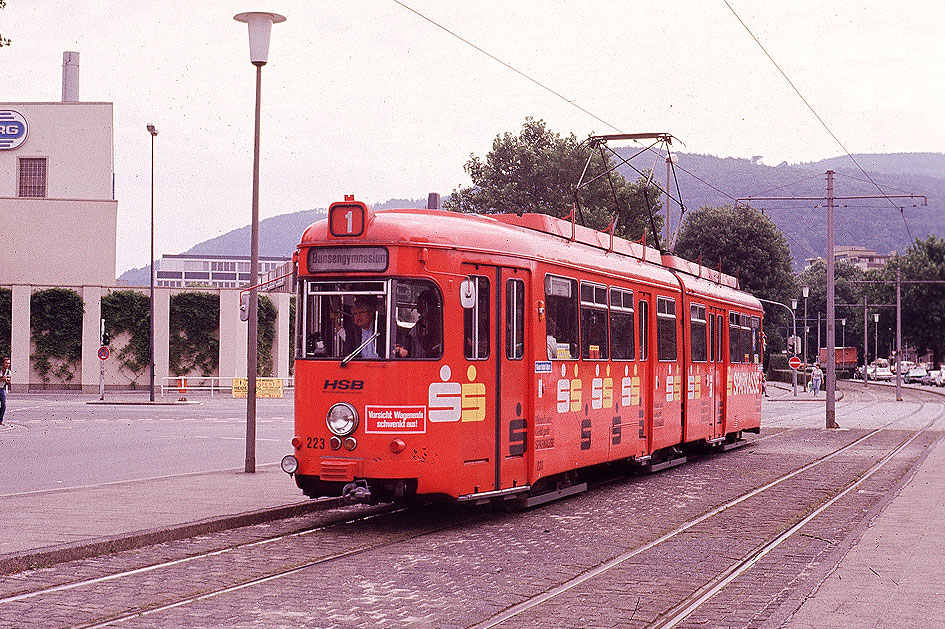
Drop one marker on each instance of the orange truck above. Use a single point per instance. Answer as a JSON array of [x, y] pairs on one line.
[[846, 358]]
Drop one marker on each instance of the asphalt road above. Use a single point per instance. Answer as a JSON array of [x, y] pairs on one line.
[[60, 440]]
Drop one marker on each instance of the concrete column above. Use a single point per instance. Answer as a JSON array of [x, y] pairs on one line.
[[20, 338], [280, 349], [91, 338], [233, 335], [162, 336]]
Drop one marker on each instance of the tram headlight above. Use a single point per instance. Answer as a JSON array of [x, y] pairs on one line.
[[290, 464], [342, 419]]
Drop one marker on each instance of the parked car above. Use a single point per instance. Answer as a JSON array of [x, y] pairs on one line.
[[881, 373], [929, 378], [903, 367], [915, 375], [940, 378]]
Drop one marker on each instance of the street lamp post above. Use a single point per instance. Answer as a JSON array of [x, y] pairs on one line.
[[260, 27], [876, 335], [805, 290], [153, 131]]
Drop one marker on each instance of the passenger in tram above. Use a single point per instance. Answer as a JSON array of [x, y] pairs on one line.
[[425, 339]]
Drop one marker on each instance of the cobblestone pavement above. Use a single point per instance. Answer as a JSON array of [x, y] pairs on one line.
[[449, 567]]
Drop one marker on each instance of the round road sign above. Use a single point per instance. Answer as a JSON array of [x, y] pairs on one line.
[[794, 362], [103, 352]]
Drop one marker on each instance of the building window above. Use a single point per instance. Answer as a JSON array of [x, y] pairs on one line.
[[32, 177]]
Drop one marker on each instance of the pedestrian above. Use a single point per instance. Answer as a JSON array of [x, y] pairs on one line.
[[816, 376], [5, 376]]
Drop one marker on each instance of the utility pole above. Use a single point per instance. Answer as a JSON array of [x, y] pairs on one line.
[[898, 333], [831, 388], [831, 313]]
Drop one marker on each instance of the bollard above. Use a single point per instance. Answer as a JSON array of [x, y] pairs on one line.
[[182, 388]]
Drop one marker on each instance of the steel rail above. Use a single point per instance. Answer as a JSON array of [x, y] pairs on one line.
[[622, 558]]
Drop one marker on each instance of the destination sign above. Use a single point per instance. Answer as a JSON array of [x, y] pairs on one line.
[[347, 259]]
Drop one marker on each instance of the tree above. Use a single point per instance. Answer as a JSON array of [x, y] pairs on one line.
[[536, 171], [846, 291], [923, 304], [745, 243]]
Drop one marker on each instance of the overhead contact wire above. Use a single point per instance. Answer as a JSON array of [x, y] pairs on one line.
[[816, 115]]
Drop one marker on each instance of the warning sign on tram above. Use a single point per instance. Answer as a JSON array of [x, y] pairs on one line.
[[103, 352], [794, 362]]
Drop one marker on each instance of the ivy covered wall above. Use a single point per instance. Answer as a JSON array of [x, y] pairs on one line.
[[194, 334], [56, 333]]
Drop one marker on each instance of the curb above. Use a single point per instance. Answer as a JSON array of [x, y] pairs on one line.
[[52, 555], [141, 403]]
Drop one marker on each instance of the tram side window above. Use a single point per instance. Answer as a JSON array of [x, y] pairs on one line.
[[746, 344], [644, 330], [514, 319], [697, 333], [756, 339], [561, 323], [344, 318], [734, 338], [476, 321], [666, 329], [621, 324], [418, 317], [594, 330]]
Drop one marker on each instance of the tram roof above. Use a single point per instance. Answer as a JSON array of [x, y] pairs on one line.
[[548, 238]]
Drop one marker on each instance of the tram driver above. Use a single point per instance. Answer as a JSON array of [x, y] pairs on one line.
[[364, 314]]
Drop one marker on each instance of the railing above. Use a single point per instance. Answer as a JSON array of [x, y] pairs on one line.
[[213, 384]]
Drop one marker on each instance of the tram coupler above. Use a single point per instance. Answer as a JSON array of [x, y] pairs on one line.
[[357, 492]]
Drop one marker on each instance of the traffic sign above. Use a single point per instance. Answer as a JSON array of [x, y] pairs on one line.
[[794, 362], [103, 352]]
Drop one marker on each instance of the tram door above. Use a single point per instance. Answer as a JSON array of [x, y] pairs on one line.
[[496, 341], [644, 349], [716, 386]]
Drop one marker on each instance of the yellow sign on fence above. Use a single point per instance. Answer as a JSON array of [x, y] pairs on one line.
[[265, 387]]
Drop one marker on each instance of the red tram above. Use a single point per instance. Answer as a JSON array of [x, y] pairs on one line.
[[478, 357]]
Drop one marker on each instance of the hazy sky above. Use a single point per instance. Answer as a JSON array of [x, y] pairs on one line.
[[367, 98]]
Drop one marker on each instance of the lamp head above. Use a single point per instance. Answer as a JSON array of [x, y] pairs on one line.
[[260, 26], [152, 130], [806, 291]]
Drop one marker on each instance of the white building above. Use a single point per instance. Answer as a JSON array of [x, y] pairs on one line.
[[190, 270], [58, 213], [864, 258], [58, 228]]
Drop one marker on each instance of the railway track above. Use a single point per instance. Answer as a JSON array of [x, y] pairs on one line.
[[656, 585], [689, 607]]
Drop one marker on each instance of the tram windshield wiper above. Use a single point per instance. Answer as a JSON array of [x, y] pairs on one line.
[[347, 359]]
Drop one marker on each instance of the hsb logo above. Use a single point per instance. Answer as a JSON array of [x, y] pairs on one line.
[[344, 385]]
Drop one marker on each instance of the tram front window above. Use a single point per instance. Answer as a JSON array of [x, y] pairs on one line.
[[370, 320]]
